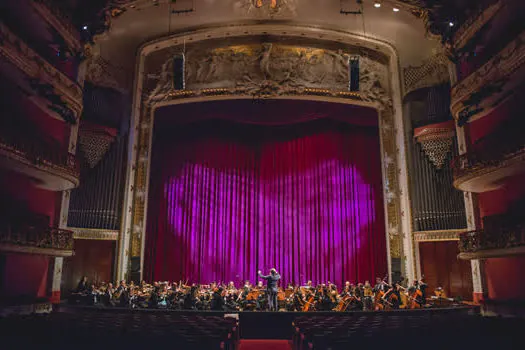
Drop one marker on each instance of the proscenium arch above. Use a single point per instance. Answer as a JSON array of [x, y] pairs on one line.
[[130, 257]]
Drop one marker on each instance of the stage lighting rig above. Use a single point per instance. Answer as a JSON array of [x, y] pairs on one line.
[[346, 9]]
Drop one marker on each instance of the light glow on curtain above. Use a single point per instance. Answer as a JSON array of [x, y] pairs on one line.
[[228, 199]]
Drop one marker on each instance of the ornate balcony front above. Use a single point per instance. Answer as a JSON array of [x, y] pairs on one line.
[[48, 87], [491, 84], [492, 159], [36, 240], [493, 243], [50, 168], [59, 21]]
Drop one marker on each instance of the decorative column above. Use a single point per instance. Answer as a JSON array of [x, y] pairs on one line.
[[472, 214], [55, 270]]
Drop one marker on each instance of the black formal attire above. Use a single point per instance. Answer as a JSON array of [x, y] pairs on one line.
[[217, 301], [272, 282]]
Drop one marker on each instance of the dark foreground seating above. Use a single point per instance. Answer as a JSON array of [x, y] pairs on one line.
[[418, 331], [92, 330]]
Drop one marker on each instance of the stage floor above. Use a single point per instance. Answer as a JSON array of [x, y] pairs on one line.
[[270, 325]]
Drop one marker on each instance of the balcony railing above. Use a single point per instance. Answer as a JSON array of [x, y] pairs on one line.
[[38, 153], [497, 150], [481, 91], [503, 240], [26, 239]]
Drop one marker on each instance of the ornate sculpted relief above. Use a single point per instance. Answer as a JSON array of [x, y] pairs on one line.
[[266, 8], [271, 70], [102, 73]]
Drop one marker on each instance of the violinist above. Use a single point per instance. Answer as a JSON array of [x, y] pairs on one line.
[[217, 300], [243, 295], [380, 285], [367, 296], [422, 286], [359, 293], [324, 300], [334, 296]]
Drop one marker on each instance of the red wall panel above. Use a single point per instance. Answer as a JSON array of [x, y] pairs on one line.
[[93, 259], [504, 278], [25, 275], [20, 188], [442, 268], [499, 201]]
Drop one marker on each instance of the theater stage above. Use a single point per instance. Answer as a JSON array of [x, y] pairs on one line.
[[278, 325]]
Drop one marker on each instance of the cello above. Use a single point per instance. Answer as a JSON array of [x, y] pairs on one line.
[[415, 295], [310, 302]]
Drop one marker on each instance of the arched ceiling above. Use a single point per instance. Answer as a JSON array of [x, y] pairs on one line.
[[134, 23]]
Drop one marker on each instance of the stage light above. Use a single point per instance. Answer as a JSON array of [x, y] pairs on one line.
[[377, 4], [395, 9], [451, 24], [85, 27]]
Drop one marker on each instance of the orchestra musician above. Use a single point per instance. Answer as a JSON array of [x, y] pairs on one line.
[[217, 300], [368, 295], [393, 296], [306, 298], [272, 281]]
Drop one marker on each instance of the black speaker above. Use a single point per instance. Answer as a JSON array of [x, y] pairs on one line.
[[178, 72], [353, 71]]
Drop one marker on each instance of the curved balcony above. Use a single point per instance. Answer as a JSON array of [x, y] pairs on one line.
[[50, 168], [52, 90], [491, 84], [492, 159], [475, 174], [494, 243], [59, 21], [36, 240]]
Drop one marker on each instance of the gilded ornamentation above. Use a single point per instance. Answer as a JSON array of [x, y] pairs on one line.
[[270, 70], [95, 234], [35, 67], [502, 241], [469, 166], [474, 24], [498, 69], [100, 72], [60, 22], [63, 167], [53, 239], [266, 8], [436, 236]]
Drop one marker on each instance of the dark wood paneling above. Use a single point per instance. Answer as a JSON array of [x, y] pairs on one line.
[[441, 267], [93, 259]]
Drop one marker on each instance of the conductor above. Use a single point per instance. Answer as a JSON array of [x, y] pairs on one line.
[[272, 280]]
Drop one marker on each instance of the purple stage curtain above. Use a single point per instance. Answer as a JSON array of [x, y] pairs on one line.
[[227, 199]]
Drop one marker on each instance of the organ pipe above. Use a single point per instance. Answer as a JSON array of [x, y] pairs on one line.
[[97, 202], [436, 204]]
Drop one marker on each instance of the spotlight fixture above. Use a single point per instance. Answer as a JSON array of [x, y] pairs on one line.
[[377, 4], [85, 27], [451, 24], [395, 9]]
